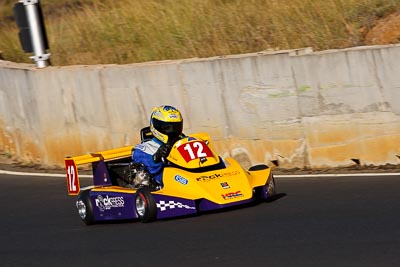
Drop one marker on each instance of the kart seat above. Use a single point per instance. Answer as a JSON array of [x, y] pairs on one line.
[[145, 134]]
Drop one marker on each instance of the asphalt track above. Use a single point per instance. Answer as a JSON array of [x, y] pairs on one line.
[[316, 221]]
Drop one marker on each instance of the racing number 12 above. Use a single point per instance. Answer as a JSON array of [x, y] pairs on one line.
[[199, 146], [195, 150], [72, 177]]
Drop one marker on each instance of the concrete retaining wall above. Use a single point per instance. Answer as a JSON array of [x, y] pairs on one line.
[[296, 108]]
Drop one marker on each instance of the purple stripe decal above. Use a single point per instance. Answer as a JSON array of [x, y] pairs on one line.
[[173, 206]]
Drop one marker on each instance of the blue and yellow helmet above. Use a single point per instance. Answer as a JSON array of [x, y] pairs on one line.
[[166, 123]]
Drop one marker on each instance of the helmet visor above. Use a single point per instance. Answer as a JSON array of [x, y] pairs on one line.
[[172, 129]]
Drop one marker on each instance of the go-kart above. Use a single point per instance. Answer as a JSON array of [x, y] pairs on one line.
[[195, 180]]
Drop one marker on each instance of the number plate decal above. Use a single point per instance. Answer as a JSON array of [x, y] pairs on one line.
[[194, 150], [72, 177]]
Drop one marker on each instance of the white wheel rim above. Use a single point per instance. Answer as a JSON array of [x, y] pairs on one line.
[[140, 206], [80, 205]]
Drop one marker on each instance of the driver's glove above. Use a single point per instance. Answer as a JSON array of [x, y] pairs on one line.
[[161, 153]]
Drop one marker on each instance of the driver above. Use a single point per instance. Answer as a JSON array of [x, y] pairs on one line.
[[166, 125]]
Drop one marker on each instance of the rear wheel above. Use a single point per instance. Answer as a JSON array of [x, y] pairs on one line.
[[85, 207], [145, 205]]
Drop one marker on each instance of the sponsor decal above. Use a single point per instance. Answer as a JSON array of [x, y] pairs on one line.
[[232, 195], [107, 203], [181, 180], [225, 185], [164, 205], [216, 176]]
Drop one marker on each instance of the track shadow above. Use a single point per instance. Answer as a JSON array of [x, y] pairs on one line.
[[201, 213], [276, 197]]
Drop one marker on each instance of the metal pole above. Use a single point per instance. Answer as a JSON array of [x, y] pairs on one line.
[[40, 57]]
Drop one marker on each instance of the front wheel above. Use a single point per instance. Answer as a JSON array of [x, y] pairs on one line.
[[145, 205], [270, 188], [85, 208]]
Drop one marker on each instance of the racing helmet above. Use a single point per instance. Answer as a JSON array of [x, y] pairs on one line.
[[166, 123]]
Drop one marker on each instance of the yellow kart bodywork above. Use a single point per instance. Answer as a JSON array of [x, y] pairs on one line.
[[195, 179]]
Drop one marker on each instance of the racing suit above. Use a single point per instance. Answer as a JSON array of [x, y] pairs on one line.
[[143, 153]]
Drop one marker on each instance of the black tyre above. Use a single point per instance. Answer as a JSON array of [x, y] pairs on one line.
[[270, 187], [145, 205], [85, 207]]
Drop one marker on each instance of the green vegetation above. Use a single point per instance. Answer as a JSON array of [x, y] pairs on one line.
[[127, 31]]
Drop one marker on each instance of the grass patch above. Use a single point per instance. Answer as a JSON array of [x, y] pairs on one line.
[[128, 31]]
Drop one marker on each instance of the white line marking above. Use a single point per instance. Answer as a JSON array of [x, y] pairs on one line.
[[41, 174], [275, 175]]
